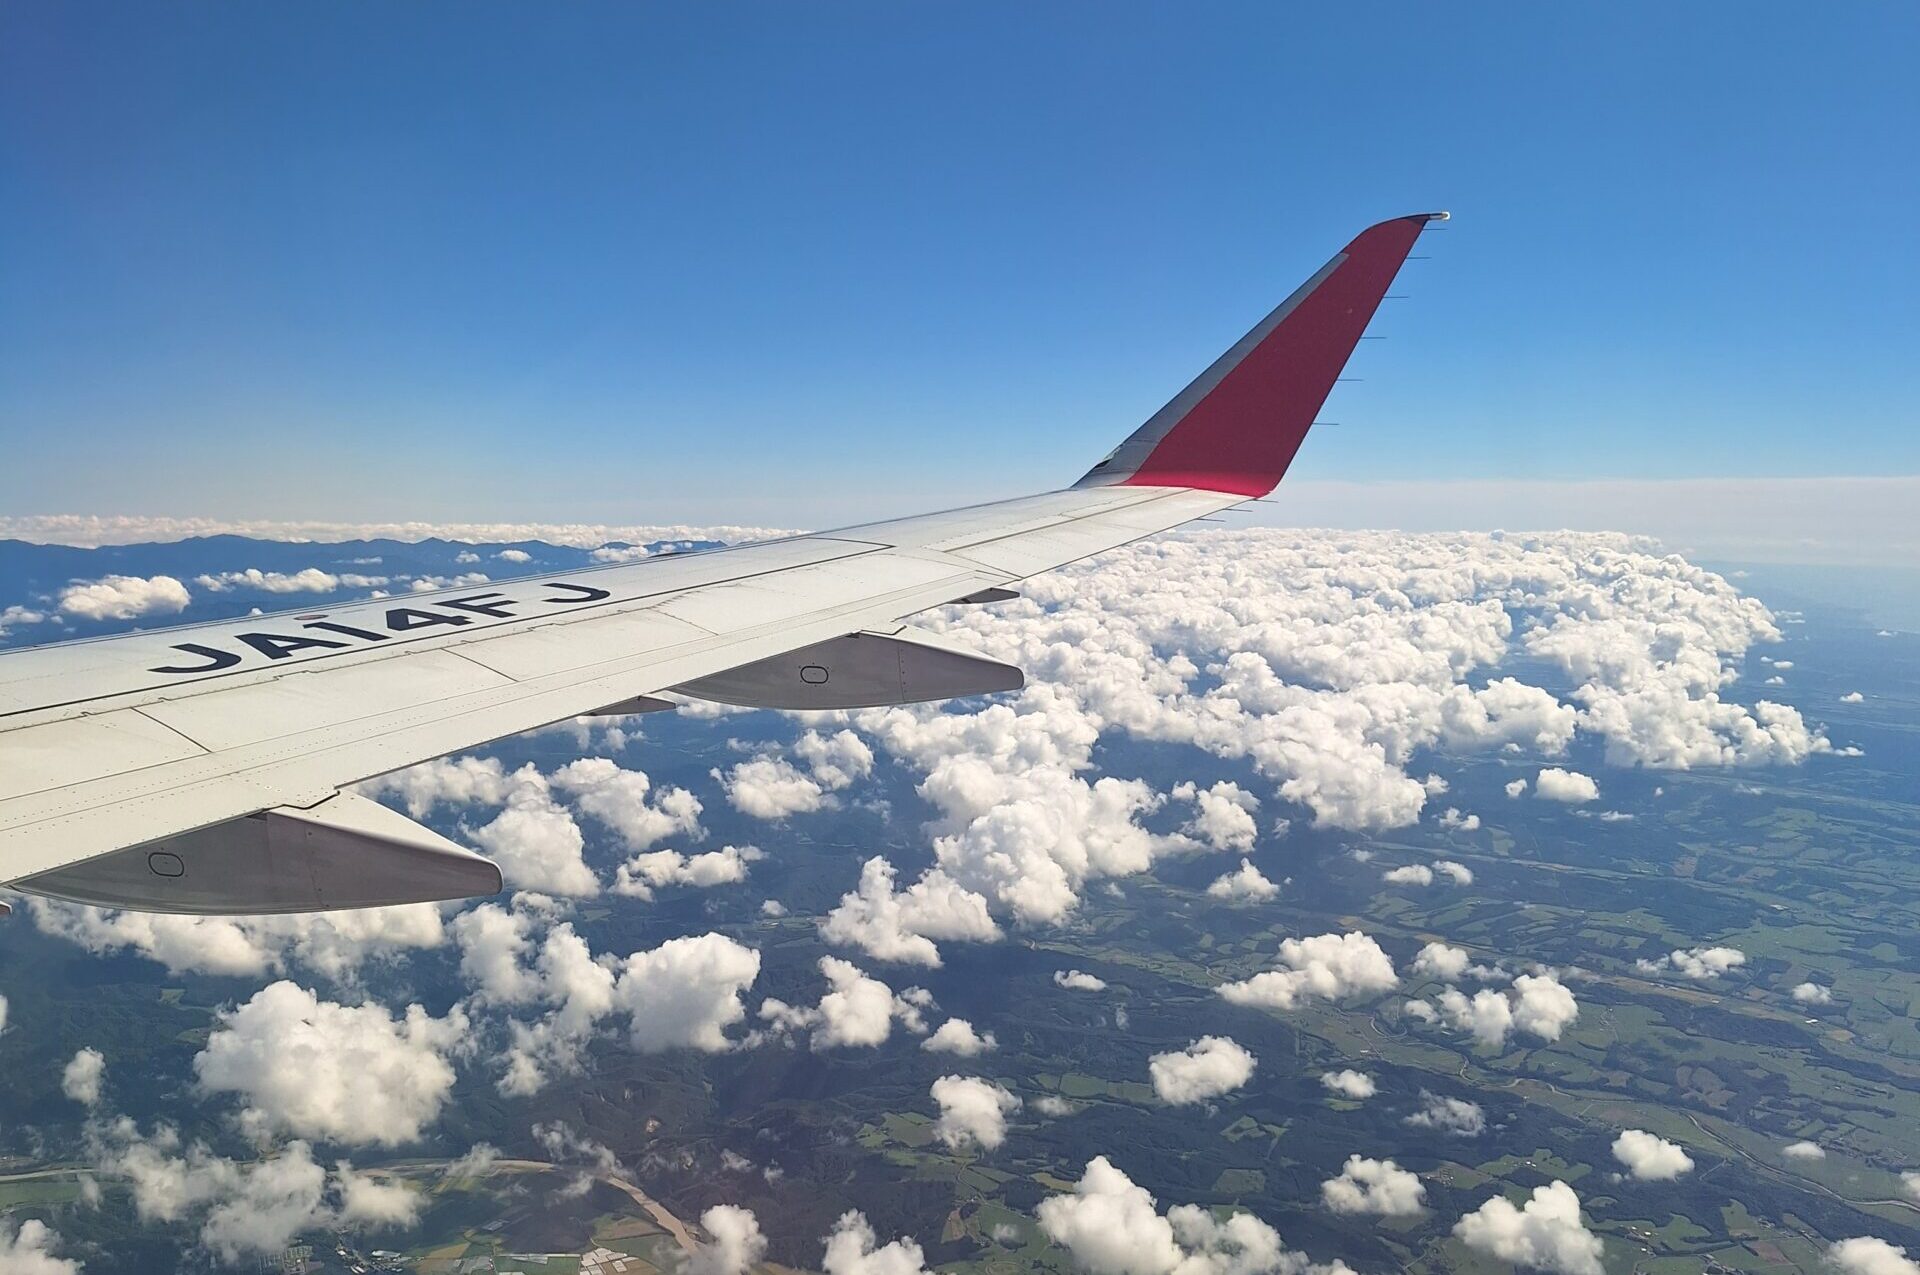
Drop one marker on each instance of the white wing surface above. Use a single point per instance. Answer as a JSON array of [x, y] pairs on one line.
[[202, 768]]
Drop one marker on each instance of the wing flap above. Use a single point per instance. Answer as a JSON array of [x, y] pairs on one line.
[[347, 852]]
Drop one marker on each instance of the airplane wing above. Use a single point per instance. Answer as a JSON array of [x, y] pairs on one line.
[[206, 768]]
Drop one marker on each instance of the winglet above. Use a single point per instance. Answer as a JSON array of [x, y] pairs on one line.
[[1237, 427]]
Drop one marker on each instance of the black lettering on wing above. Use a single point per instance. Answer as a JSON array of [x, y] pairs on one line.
[[215, 658], [278, 646], [586, 593], [406, 619]]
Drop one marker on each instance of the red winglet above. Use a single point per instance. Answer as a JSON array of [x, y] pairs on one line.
[[1237, 427]]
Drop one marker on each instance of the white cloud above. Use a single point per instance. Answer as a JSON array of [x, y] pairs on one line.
[[1516, 787], [334, 943], [1449, 1115], [641, 875], [1349, 1083], [1536, 1004], [313, 1068], [957, 1036], [1701, 964], [246, 1209], [901, 925], [835, 760], [514, 555], [310, 580], [1460, 872], [1853, 697], [124, 597], [1441, 961], [83, 1076], [1871, 1255], [1910, 1181], [1111, 1226], [857, 1011], [1803, 1150], [1223, 815], [624, 801], [972, 1110], [1488, 1014], [1374, 1186], [734, 1242], [1206, 1069], [1455, 820], [1811, 993], [1323, 967], [1408, 874], [1650, 1157], [477, 1162], [535, 839], [686, 992], [1545, 1233], [33, 1250], [770, 788], [1569, 786], [852, 1248], [1543, 1006], [1079, 981], [1247, 885]]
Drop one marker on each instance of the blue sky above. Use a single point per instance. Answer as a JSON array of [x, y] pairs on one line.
[[781, 262]]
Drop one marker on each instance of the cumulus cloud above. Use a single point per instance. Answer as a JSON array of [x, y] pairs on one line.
[[957, 1036], [890, 924], [1460, 872], [857, 1011], [1545, 1233], [1112, 1226], [1871, 1255], [1323, 967], [853, 1248], [1455, 820], [33, 1249], [316, 1069], [246, 1209], [1701, 964], [1223, 815], [514, 555], [333, 943], [1449, 1115], [1568, 786], [1079, 981], [310, 580], [1206, 1069], [768, 787], [1374, 1186], [972, 1111], [1804, 1150], [1650, 1157], [734, 1242], [124, 597], [641, 875], [624, 801], [686, 992], [1535, 1004], [1248, 885], [535, 839], [1441, 961], [1408, 874], [1516, 787], [1811, 993], [1349, 1083], [85, 1072]]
